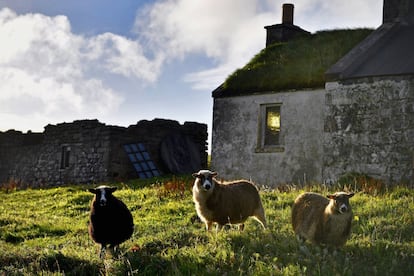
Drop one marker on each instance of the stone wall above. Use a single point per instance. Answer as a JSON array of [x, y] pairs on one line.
[[18, 150], [369, 129], [298, 159], [88, 151]]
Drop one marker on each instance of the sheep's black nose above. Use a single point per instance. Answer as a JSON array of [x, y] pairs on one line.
[[343, 209], [207, 186], [102, 202]]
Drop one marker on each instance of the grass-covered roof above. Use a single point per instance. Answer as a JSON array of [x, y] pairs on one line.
[[297, 64]]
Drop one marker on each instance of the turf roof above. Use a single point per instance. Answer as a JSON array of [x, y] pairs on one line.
[[297, 64]]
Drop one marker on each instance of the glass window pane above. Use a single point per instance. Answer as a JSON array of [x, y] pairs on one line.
[[272, 125]]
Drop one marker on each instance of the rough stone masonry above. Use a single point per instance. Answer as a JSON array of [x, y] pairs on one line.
[[369, 128]]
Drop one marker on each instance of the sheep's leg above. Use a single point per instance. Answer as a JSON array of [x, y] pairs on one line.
[[209, 225], [102, 252], [260, 216], [300, 239], [241, 227], [112, 249], [219, 227]]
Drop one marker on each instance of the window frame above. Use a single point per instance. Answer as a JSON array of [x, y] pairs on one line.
[[65, 157], [262, 147]]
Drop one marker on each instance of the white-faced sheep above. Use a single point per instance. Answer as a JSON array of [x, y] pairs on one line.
[[323, 220], [227, 203], [110, 221]]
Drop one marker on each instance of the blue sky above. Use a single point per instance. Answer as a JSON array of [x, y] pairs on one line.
[[129, 60]]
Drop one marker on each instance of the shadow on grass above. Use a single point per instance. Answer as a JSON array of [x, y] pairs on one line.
[[31, 232], [52, 263], [162, 256]]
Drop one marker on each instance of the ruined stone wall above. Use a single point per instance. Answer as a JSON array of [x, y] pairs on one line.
[[369, 129], [174, 147], [87, 143], [17, 151], [88, 151]]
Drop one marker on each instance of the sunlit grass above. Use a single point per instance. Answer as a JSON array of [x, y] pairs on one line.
[[44, 231]]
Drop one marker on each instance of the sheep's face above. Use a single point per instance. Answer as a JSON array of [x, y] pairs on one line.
[[102, 193], [204, 180], [340, 202]]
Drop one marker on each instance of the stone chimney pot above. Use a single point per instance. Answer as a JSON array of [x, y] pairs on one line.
[[287, 15]]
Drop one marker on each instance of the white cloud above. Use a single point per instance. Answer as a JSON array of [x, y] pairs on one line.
[[315, 15], [188, 26], [49, 73], [231, 32], [123, 56]]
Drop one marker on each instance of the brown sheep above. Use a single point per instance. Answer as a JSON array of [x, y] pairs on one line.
[[228, 203], [321, 220]]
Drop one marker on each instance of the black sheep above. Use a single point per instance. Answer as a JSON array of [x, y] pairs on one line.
[[110, 221]]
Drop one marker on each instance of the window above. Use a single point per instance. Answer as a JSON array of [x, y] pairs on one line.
[[65, 157], [269, 138], [140, 159], [272, 126]]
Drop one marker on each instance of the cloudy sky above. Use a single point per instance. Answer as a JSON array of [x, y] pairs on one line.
[[128, 60]]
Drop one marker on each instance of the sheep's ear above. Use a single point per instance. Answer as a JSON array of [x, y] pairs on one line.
[[195, 175], [92, 190], [112, 189], [214, 173], [350, 194]]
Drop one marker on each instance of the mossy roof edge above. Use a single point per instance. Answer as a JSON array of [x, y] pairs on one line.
[[294, 65]]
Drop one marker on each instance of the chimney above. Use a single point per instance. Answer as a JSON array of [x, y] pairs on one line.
[[287, 15], [285, 31]]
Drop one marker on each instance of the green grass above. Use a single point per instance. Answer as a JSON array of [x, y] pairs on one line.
[[297, 64], [44, 231]]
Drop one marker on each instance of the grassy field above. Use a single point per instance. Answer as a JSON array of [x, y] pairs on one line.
[[44, 231]]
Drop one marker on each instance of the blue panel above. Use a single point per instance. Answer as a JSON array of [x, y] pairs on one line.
[[146, 155], [132, 158], [137, 167], [144, 166], [141, 146], [134, 147], [139, 156], [151, 165], [127, 148], [141, 160]]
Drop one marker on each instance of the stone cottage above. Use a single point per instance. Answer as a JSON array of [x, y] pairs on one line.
[[369, 105], [282, 127], [88, 151]]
